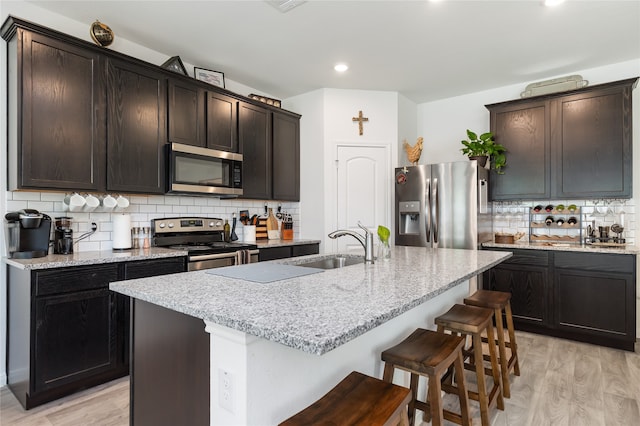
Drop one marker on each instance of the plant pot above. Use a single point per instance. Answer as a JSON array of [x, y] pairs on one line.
[[481, 159]]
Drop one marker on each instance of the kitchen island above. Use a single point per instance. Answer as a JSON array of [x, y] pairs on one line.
[[276, 347]]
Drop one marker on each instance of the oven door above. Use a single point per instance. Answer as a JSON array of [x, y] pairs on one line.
[[193, 169], [220, 260]]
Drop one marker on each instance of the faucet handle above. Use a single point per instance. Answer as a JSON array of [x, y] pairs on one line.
[[366, 231]]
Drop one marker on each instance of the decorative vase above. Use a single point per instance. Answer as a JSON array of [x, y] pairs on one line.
[[481, 159], [384, 251]]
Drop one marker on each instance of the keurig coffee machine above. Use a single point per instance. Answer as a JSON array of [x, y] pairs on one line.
[[28, 234], [63, 240]]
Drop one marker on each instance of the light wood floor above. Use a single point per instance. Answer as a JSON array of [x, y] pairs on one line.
[[562, 383]]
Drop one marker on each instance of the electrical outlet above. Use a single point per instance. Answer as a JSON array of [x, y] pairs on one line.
[[226, 390]]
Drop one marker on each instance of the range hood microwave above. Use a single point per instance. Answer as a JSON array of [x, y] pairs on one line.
[[193, 169]]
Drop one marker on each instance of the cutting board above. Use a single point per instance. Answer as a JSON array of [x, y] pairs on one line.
[[263, 272]]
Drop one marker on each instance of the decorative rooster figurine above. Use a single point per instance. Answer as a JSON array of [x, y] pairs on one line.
[[413, 152]]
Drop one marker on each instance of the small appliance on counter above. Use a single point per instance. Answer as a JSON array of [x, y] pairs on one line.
[[28, 234], [63, 236]]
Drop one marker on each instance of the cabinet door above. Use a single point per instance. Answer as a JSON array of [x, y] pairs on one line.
[[222, 122], [186, 113], [75, 337], [528, 288], [136, 129], [286, 157], [592, 137], [61, 142], [254, 125], [596, 303], [523, 130]]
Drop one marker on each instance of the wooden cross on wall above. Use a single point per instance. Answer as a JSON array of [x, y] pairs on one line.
[[360, 119]]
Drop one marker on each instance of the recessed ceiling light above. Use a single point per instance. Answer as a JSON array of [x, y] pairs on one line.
[[552, 3], [341, 67]]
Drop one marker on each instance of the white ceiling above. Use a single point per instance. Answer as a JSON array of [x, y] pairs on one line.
[[424, 50]]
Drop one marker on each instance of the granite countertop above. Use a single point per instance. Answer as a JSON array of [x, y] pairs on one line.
[[283, 243], [316, 313], [93, 258], [587, 248]]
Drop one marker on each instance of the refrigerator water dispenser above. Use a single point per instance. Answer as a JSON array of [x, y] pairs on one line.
[[409, 212]]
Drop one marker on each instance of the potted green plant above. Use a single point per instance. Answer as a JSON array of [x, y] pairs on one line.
[[483, 147]]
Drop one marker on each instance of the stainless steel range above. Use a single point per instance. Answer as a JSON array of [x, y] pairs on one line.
[[203, 239]]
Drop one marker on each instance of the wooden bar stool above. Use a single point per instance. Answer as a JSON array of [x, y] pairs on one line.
[[430, 354], [473, 321], [499, 301], [357, 400]]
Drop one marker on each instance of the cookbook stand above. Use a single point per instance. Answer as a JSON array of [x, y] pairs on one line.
[[565, 226]]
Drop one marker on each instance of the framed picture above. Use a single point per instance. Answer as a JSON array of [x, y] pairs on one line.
[[215, 78], [175, 64]]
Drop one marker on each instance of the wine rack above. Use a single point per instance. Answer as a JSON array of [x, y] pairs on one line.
[[555, 226]]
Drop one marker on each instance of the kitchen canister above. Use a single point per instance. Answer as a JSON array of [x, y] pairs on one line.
[[121, 231], [249, 233]]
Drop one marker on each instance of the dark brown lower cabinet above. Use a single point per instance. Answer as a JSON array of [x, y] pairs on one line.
[[169, 367], [283, 252], [66, 331], [589, 297]]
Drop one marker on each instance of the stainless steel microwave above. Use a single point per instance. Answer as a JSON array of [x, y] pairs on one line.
[[193, 169]]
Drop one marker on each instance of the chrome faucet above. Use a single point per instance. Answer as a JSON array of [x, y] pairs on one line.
[[366, 241]]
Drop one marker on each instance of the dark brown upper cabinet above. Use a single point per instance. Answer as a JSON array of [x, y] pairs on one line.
[[202, 118], [270, 145], [573, 145], [136, 129], [56, 117], [286, 157], [87, 118], [186, 112], [254, 131], [222, 122]]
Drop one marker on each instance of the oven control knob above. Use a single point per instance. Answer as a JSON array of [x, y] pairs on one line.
[[212, 224], [161, 225], [218, 223], [170, 225]]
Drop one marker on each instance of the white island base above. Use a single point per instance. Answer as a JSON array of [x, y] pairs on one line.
[[268, 382]]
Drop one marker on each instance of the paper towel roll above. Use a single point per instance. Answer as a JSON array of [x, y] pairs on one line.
[[121, 231]]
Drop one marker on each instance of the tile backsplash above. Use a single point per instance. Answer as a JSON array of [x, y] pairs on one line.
[[513, 216], [142, 209]]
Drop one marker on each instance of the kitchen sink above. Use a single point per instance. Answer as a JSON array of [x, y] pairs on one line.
[[333, 262]]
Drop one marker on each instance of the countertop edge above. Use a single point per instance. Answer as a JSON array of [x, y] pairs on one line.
[[628, 250], [89, 258]]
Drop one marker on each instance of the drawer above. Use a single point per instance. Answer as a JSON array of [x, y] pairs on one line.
[[153, 268], [274, 253], [303, 250], [624, 263], [68, 280], [526, 257]]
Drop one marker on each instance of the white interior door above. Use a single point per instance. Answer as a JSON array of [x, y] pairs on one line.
[[363, 191]]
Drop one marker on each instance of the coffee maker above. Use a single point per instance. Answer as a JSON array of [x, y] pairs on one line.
[[28, 234], [63, 236]]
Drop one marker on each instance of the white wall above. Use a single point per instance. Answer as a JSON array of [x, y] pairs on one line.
[[312, 180]]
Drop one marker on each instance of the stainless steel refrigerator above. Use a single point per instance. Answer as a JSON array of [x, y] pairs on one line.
[[442, 205]]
